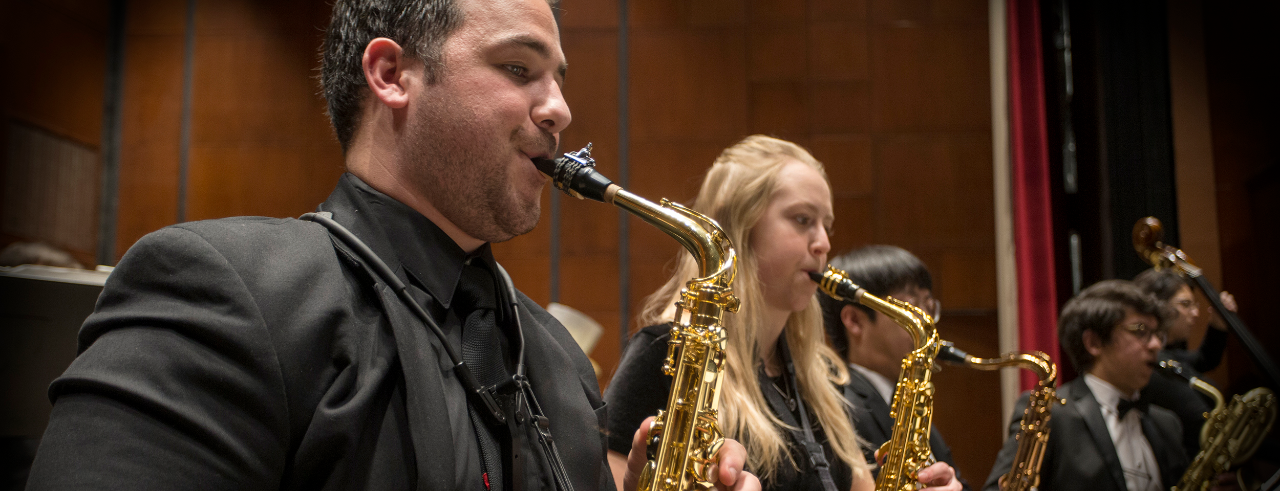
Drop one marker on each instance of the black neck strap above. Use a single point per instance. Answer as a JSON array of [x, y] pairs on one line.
[[803, 434]]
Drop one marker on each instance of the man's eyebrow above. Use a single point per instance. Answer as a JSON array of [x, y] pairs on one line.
[[538, 47]]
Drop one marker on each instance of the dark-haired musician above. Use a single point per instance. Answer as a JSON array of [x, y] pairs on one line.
[[873, 345], [259, 353], [1105, 438]]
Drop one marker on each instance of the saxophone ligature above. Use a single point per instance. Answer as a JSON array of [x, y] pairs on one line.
[[1231, 433], [907, 451], [1033, 433], [685, 437]]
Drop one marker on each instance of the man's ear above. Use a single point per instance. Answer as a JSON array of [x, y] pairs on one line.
[[855, 322], [1092, 343], [385, 70]]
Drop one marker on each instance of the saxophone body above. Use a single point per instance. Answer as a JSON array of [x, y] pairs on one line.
[[907, 450], [685, 437], [1033, 433], [1231, 434]]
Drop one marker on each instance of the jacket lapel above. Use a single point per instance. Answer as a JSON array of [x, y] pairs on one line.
[[872, 402], [1089, 409], [1161, 447]]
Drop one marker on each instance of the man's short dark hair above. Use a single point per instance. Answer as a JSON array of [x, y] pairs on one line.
[[419, 26], [881, 270], [1099, 308], [1164, 283]]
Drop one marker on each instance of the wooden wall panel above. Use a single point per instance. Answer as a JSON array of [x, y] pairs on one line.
[[260, 144], [151, 114]]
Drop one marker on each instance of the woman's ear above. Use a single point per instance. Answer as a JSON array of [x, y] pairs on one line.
[[385, 70]]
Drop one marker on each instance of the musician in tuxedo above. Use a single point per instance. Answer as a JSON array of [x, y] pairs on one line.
[[1105, 438], [874, 345]]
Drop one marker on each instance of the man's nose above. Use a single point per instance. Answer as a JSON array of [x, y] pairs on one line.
[[551, 113]]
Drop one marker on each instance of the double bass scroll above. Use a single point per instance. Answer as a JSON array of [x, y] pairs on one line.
[[1146, 240]]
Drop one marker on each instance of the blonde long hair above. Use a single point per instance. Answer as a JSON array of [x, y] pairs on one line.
[[736, 191]]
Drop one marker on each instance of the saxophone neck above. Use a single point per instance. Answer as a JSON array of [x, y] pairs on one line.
[[836, 284], [575, 174], [1174, 368], [1035, 361]]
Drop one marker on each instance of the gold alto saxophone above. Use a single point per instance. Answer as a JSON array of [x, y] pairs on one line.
[[907, 451], [1230, 436], [686, 436], [1033, 434]]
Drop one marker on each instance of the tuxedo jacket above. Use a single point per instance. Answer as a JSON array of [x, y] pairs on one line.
[[256, 353], [1080, 455], [871, 420]]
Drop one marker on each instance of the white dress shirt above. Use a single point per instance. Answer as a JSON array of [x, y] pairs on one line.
[[1141, 472]]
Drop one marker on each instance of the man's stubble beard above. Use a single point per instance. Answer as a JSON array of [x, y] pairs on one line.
[[472, 189]]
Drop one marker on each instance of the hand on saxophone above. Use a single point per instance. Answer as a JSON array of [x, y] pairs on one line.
[[940, 477], [728, 474]]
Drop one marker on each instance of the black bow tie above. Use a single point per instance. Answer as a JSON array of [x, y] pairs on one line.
[[1125, 405]]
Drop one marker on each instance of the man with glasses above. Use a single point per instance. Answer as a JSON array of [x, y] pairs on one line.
[[1105, 437], [1175, 394], [874, 345]]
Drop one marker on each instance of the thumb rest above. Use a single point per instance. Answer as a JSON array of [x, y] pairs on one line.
[[1033, 432], [685, 437], [907, 451], [1231, 434]]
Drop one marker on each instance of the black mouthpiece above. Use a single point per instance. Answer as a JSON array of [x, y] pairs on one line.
[[546, 166], [575, 174], [836, 283], [949, 353]]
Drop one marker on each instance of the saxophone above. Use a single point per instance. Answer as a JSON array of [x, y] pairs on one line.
[[685, 437], [1230, 436], [1033, 435], [907, 451]]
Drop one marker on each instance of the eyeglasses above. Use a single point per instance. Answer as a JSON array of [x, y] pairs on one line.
[[928, 304], [1144, 332]]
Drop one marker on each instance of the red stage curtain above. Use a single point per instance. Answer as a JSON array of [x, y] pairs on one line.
[[1032, 214]]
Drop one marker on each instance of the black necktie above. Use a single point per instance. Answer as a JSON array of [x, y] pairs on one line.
[[1125, 405], [483, 354]]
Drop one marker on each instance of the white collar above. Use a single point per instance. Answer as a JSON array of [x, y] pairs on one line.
[[1107, 395]]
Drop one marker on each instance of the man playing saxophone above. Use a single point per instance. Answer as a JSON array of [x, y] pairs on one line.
[[1105, 438], [873, 345]]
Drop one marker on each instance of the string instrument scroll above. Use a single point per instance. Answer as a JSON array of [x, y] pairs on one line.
[[1146, 240]]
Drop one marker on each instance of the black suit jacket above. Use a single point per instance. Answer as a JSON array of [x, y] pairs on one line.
[[250, 353], [1080, 455], [871, 419]]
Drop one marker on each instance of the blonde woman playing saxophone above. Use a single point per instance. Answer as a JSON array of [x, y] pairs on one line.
[[782, 383]]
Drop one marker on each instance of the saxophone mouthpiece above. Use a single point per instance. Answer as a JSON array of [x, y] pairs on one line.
[[1171, 368], [948, 352], [835, 283], [575, 174], [545, 165]]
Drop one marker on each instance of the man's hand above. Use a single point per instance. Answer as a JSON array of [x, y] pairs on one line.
[[939, 476], [1228, 301], [727, 473]]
